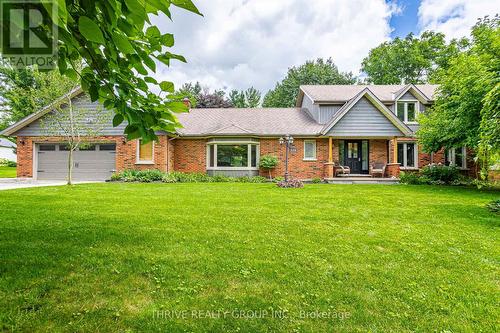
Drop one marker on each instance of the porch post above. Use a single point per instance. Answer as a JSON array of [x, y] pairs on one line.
[[393, 167], [328, 172], [394, 150], [330, 149]]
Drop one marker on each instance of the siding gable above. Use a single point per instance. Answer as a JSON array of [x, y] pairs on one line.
[[320, 113], [362, 120], [408, 96], [81, 102]]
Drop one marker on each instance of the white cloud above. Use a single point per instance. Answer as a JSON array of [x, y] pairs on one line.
[[454, 17], [240, 43]]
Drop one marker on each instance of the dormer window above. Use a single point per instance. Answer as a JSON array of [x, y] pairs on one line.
[[407, 111]]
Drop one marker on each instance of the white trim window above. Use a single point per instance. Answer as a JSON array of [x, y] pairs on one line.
[[408, 155], [145, 152], [456, 157], [309, 150], [233, 156], [407, 111]]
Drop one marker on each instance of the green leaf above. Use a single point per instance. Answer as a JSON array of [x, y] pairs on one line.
[[71, 73], [175, 56], [164, 59], [117, 120], [122, 43], [149, 79], [153, 31], [140, 68], [177, 107], [137, 11], [167, 86], [186, 4], [90, 30], [167, 40]]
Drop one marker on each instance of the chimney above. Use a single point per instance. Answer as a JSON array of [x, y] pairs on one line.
[[187, 102]]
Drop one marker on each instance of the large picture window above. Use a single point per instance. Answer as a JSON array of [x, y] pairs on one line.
[[408, 155], [456, 157], [407, 111], [232, 156]]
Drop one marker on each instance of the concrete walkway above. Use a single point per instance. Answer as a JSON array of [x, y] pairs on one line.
[[15, 183]]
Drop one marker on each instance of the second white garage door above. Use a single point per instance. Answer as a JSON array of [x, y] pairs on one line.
[[91, 162]]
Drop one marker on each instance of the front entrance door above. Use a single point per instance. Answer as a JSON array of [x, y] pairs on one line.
[[353, 154]]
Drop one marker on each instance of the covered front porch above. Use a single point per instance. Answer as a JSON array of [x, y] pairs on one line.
[[362, 159]]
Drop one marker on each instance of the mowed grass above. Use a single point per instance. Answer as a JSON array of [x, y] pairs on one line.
[[248, 258], [7, 172]]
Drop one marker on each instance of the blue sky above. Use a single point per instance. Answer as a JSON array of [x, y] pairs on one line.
[[243, 43], [406, 21]]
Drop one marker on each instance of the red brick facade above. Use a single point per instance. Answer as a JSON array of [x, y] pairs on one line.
[[189, 155], [297, 166]]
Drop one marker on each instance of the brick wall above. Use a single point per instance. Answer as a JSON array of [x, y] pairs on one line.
[[190, 155], [125, 153], [378, 151], [298, 168]]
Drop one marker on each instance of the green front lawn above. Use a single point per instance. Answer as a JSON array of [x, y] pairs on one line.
[[7, 172], [208, 257]]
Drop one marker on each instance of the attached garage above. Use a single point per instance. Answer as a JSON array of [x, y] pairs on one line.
[[94, 161]]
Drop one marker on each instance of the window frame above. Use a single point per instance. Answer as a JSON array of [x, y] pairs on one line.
[[451, 157], [137, 155], [315, 157], [404, 165], [405, 116], [249, 145]]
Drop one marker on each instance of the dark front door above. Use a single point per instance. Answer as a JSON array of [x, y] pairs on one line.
[[353, 153]]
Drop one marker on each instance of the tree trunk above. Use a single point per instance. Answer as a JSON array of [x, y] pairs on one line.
[[270, 175], [70, 166]]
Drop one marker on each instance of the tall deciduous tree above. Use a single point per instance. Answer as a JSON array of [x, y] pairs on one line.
[[201, 98], [26, 90], [312, 72], [249, 98], [410, 60], [467, 108], [119, 47]]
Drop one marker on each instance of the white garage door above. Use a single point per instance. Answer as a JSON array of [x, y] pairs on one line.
[[90, 162]]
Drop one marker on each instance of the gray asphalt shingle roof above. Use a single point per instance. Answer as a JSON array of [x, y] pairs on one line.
[[343, 93], [251, 121]]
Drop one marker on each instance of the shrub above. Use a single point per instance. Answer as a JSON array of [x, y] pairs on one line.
[[494, 206], [412, 178], [221, 179], [441, 174], [147, 176], [316, 180], [6, 162], [258, 179], [268, 162], [292, 183], [278, 179]]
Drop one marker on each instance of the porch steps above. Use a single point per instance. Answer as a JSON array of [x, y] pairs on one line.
[[361, 179]]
